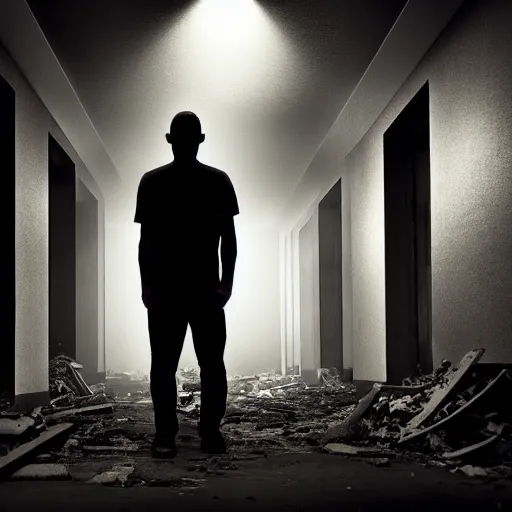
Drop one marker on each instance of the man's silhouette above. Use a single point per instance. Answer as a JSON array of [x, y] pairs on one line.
[[185, 209]]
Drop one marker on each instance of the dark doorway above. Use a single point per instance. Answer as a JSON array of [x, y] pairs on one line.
[[329, 234], [408, 241], [8, 255], [62, 204]]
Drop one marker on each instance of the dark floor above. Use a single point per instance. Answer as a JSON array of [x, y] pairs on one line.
[[257, 474], [281, 482]]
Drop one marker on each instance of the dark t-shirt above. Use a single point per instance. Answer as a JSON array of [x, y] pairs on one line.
[[180, 210]]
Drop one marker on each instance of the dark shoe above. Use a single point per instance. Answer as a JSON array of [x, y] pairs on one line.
[[164, 447], [213, 443]]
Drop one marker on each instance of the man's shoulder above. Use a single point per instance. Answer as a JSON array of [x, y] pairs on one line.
[[214, 172], [155, 173]]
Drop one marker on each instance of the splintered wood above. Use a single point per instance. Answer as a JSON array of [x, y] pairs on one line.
[[441, 394]]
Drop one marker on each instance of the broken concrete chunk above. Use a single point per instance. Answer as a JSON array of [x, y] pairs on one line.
[[15, 427], [345, 449], [118, 475], [42, 472], [473, 471]]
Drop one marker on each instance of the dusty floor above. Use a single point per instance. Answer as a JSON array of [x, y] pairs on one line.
[[259, 473]]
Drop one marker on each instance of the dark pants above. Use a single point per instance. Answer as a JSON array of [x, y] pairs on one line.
[[167, 329]]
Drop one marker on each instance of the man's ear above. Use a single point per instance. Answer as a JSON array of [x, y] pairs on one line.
[[168, 138], [201, 139]]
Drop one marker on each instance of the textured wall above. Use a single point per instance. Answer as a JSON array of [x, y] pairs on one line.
[[87, 324], [33, 123], [471, 151]]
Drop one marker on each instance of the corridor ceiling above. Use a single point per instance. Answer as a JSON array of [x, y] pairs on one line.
[[267, 78]]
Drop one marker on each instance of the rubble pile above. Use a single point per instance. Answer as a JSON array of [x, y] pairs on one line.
[[68, 389], [457, 417], [17, 428], [287, 416]]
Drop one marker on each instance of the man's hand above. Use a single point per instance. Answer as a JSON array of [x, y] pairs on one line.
[[222, 295], [147, 297]]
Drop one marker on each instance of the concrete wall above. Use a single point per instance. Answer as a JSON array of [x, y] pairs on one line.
[[33, 123], [87, 323], [470, 81], [330, 279], [309, 301]]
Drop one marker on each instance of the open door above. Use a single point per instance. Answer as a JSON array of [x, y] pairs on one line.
[[408, 241], [7, 254]]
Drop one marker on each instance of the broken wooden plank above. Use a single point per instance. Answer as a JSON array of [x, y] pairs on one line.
[[90, 409], [439, 396], [346, 429], [16, 458], [346, 449], [404, 390], [115, 449], [408, 435], [470, 449], [284, 386]]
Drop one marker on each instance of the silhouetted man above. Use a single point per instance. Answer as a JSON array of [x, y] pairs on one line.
[[185, 209]]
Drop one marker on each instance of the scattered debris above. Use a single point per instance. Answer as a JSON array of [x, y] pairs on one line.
[[345, 449], [42, 472], [117, 476], [65, 378], [92, 409], [408, 435], [472, 471], [422, 419], [441, 394], [15, 426], [15, 459], [458, 454]]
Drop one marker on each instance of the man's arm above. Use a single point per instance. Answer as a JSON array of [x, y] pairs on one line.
[[228, 252], [144, 242], [145, 256]]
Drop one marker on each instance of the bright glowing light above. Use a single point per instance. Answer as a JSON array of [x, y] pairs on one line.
[[228, 50], [227, 22]]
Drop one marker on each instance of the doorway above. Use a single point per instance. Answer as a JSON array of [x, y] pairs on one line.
[[408, 241], [329, 237], [62, 218], [8, 255]]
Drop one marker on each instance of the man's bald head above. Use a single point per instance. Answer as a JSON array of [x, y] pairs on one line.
[[186, 122], [185, 135]]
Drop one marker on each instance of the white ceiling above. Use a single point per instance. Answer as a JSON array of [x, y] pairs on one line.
[[265, 106]]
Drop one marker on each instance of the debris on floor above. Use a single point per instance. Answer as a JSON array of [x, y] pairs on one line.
[[42, 472], [65, 378], [17, 428], [265, 413], [117, 476], [459, 416]]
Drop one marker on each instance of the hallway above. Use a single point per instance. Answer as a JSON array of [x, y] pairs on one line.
[[368, 146]]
